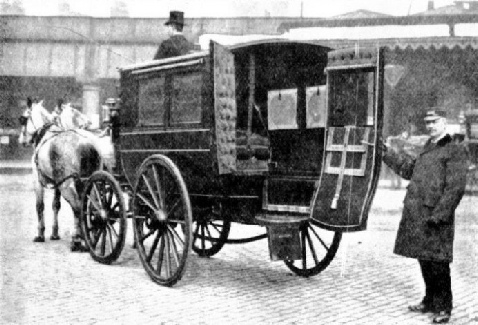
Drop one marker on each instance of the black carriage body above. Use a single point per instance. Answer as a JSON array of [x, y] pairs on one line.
[[247, 126]]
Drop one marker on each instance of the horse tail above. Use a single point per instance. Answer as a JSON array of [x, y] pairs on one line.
[[91, 160]]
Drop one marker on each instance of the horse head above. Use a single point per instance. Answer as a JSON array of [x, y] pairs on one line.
[[33, 120], [72, 118]]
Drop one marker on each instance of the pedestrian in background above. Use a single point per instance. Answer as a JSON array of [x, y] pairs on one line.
[[26, 114], [426, 231], [176, 44]]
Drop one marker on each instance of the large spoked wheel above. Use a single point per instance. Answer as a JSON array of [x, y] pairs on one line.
[[318, 250], [210, 232], [103, 217], [162, 219]]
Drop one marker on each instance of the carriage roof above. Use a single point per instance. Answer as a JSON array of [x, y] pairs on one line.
[[196, 57]]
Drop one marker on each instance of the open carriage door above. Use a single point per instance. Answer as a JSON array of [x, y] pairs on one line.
[[351, 164], [225, 110]]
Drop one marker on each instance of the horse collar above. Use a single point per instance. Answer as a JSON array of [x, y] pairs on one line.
[[40, 133]]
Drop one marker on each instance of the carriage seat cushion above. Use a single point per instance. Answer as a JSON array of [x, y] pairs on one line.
[[257, 147]]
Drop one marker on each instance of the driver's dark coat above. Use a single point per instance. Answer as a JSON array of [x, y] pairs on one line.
[[174, 46], [437, 184]]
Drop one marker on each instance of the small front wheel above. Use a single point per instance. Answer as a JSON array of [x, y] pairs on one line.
[[103, 217], [162, 219], [318, 250]]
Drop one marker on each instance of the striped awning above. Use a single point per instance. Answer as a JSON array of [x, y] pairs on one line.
[[426, 43], [448, 31]]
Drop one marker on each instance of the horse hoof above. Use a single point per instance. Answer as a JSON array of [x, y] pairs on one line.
[[83, 249], [54, 237], [78, 247], [39, 239]]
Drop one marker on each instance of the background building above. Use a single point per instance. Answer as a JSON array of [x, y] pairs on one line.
[[430, 56]]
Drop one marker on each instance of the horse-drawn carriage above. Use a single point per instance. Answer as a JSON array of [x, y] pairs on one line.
[[275, 133]]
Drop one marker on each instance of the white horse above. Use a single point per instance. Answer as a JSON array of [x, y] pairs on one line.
[[61, 158], [72, 118]]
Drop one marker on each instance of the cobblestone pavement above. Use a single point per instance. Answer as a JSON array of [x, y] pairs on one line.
[[365, 283]]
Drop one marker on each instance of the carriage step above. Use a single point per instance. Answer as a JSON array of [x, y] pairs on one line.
[[283, 235], [280, 220]]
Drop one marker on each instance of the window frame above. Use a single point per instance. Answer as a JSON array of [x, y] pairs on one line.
[[163, 123], [168, 86]]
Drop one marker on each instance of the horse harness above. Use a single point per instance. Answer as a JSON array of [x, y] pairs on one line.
[[38, 139]]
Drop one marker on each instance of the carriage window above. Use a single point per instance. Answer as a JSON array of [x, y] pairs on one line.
[[352, 98], [151, 101], [186, 99], [282, 109], [316, 106]]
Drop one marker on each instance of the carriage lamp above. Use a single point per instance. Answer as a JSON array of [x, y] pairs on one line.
[[109, 109]]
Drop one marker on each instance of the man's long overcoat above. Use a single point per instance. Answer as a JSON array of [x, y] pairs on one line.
[[437, 184]]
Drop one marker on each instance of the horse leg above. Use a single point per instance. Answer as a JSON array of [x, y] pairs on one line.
[[40, 206], [56, 208], [71, 196]]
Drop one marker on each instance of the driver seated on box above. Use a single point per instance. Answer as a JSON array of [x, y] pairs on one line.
[[176, 44]]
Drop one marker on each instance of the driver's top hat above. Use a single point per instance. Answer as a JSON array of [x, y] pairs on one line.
[[176, 18]]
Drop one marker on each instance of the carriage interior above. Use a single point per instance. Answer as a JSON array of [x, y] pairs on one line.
[[280, 98], [282, 115]]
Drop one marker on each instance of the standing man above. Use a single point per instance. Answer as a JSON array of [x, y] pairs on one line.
[[437, 184], [26, 114], [176, 44]]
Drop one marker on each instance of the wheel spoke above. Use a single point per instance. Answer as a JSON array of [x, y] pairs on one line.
[[146, 201], [110, 237], [153, 247], [304, 250], [113, 230], [98, 196], [116, 205], [158, 186], [174, 207], [196, 233], [151, 191], [179, 221], [109, 197], [97, 237], [175, 234], [103, 243], [174, 248], [312, 248], [327, 248], [167, 249], [160, 255], [95, 205], [211, 238], [147, 235], [215, 226], [203, 240]]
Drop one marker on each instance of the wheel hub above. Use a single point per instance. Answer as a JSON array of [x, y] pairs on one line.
[[103, 214], [160, 215]]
